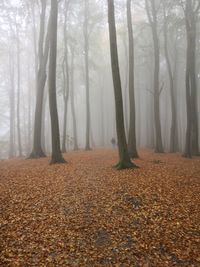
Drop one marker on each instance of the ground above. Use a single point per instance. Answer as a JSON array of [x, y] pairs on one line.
[[85, 213]]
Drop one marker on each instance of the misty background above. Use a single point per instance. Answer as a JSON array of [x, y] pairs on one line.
[[19, 35]]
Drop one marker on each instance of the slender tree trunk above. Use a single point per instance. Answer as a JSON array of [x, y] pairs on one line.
[[12, 108], [65, 98], [43, 130], [29, 108], [188, 152], [124, 159], [132, 129], [102, 118], [195, 126], [173, 132], [34, 38], [87, 85], [72, 102], [18, 93], [56, 152], [66, 86]]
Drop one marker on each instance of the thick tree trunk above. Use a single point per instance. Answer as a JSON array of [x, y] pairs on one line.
[[87, 83], [153, 22], [192, 132], [37, 150], [124, 159], [56, 152], [132, 129]]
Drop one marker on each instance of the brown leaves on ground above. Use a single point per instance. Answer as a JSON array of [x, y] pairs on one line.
[[85, 213]]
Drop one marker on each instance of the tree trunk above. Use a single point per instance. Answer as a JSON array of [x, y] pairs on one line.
[[72, 102], [102, 122], [126, 88], [12, 108], [18, 93], [194, 106], [173, 132], [66, 86], [124, 159], [37, 150], [56, 152], [188, 152], [132, 129], [153, 23], [192, 133], [87, 85]]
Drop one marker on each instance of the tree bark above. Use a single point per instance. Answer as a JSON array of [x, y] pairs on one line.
[[173, 132], [192, 133], [43, 51], [132, 129], [65, 68], [72, 102], [56, 156], [18, 93], [152, 16], [87, 83], [12, 107], [124, 159]]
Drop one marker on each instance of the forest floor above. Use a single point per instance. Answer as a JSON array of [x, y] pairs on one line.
[[85, 213]]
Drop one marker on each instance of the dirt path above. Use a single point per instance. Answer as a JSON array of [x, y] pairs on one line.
[[85, 213]]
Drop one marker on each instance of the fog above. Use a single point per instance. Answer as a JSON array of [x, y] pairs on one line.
[[84, 81]]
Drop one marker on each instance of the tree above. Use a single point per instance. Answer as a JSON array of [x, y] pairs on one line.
[[65, 68], [192, 132], [87, 83], [56, 152], [124, 159], [43, 51], [152, 17], [132, 132], [12, 106], [18, 90], [72, 101], [174, 130]]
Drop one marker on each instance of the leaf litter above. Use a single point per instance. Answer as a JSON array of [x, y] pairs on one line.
[[85, 213]]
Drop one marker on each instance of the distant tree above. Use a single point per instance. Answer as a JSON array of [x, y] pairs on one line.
[[56, 151], [18, 90], [132, 124], [153, 20], [12, 106], [124, 158], [87, 82], [65, 68], [72, 101]]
